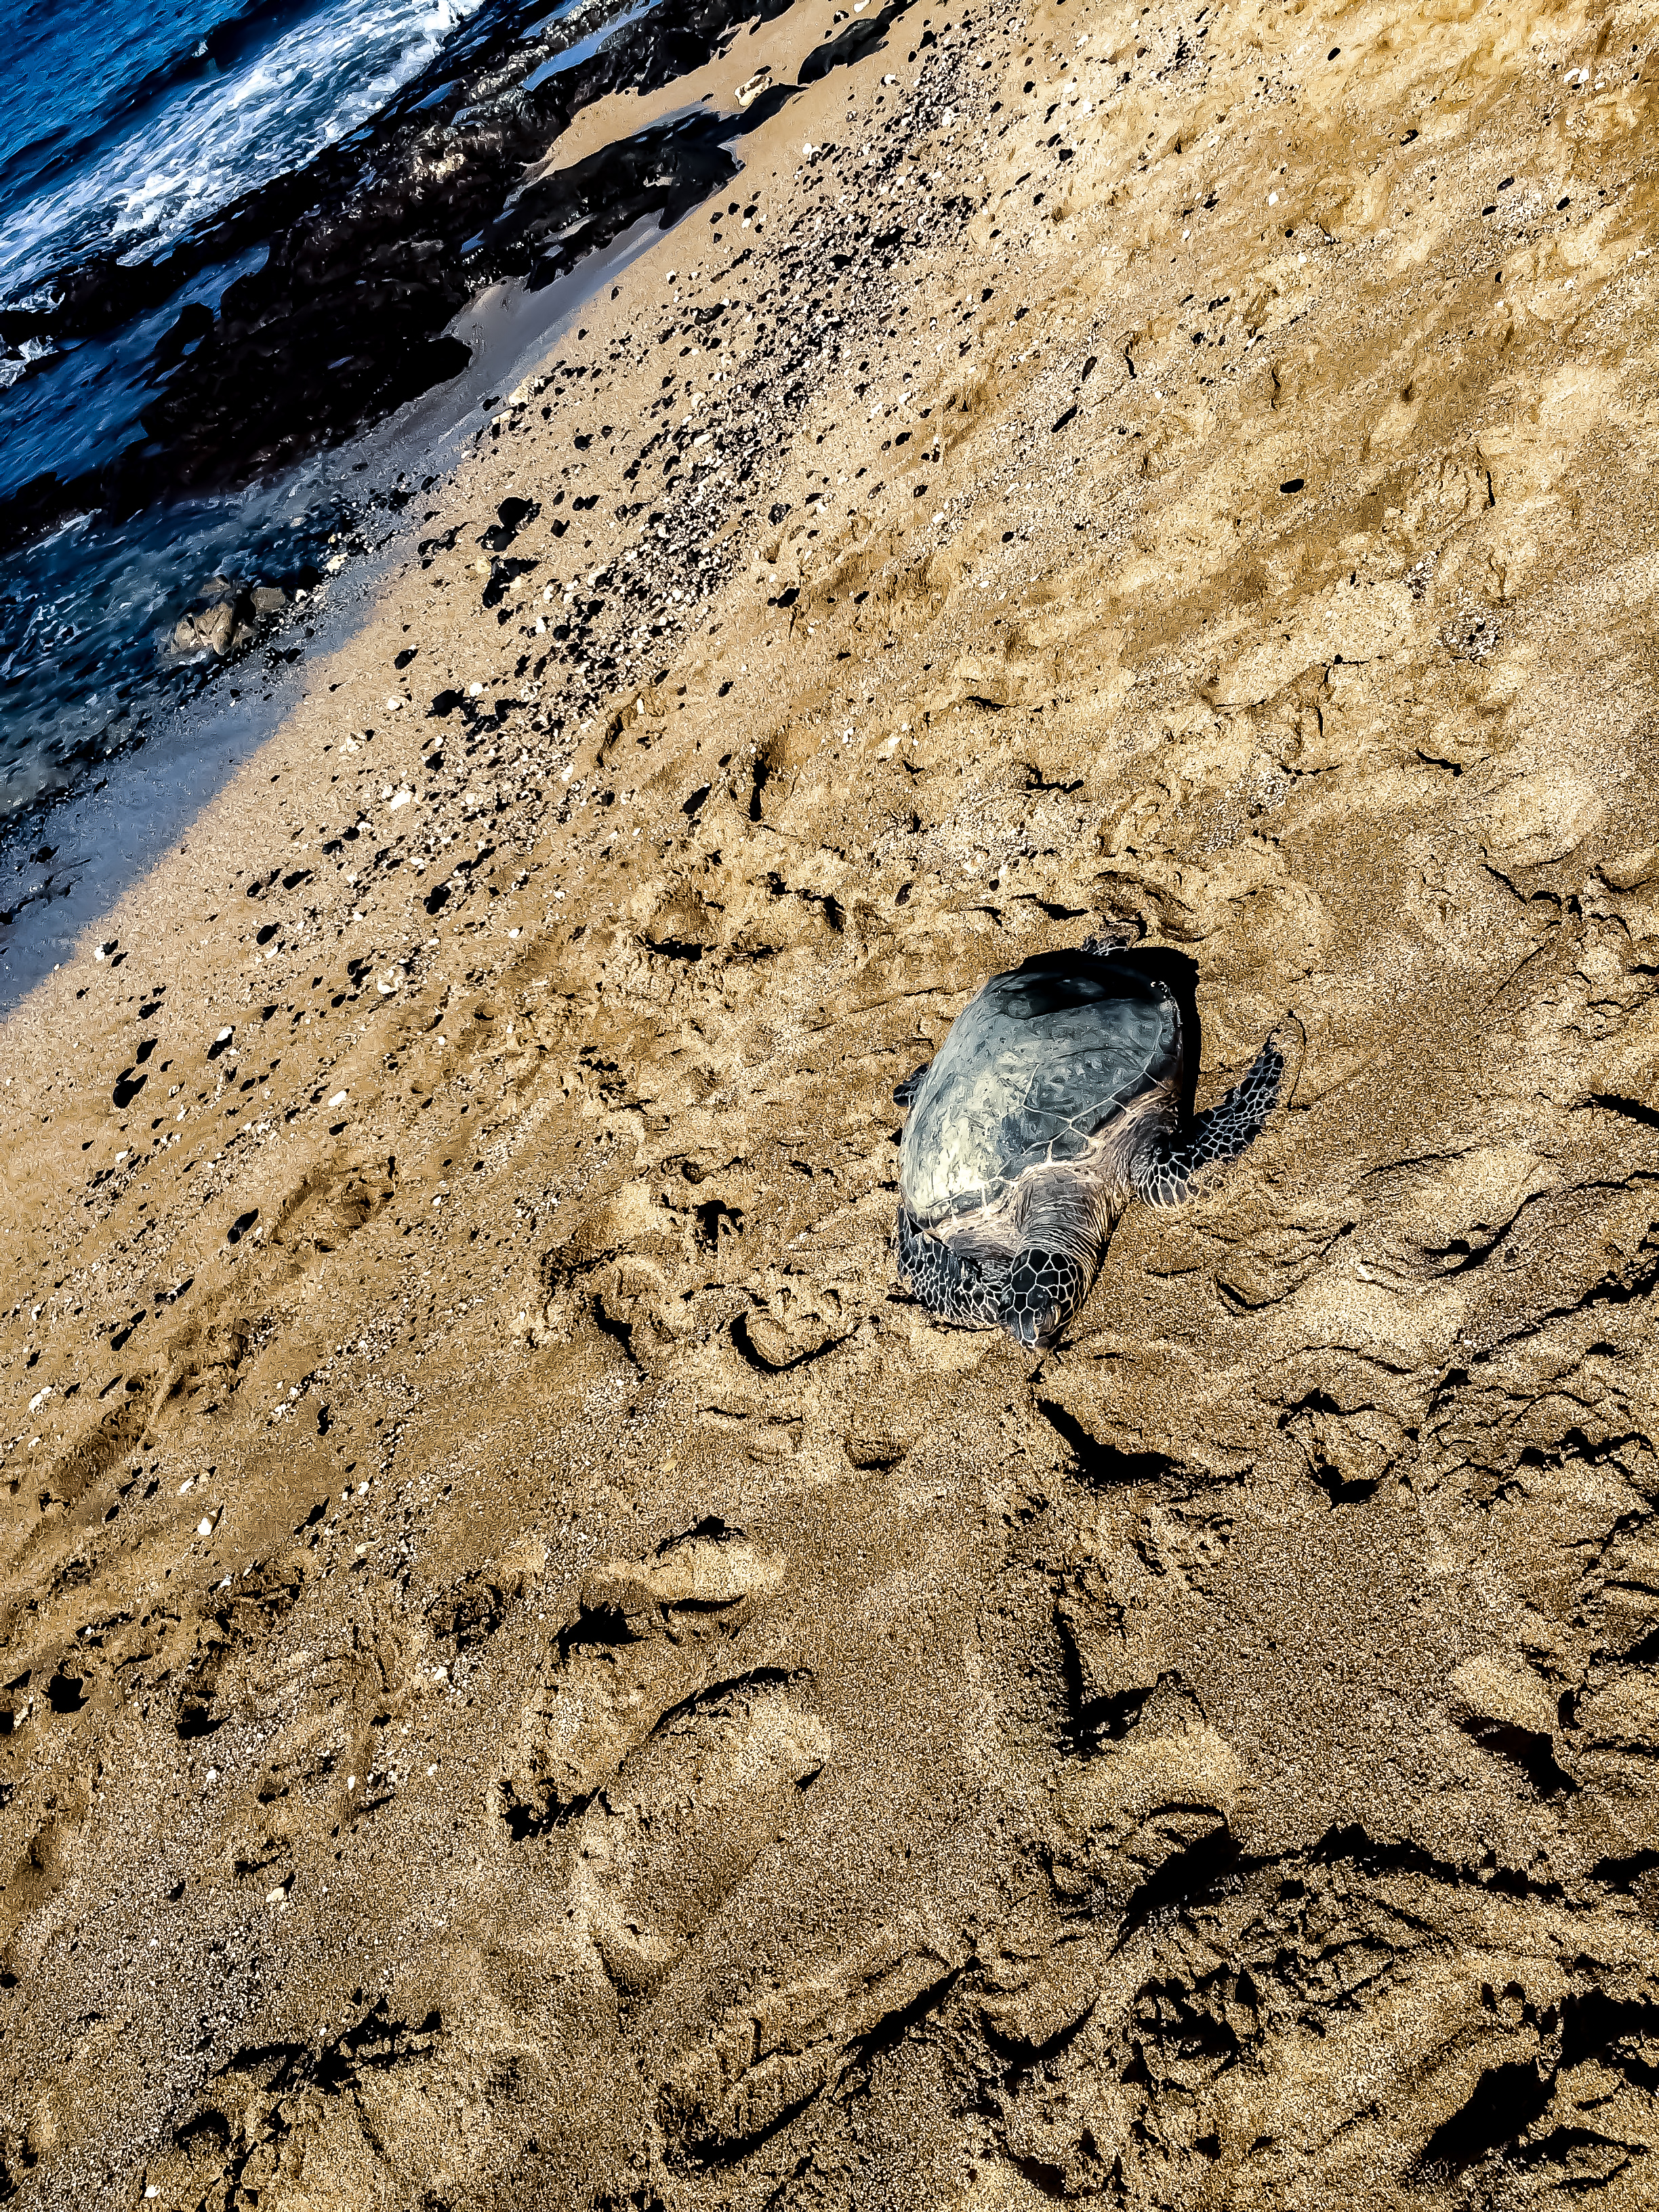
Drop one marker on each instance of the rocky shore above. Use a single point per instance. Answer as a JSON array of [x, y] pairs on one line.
[[533, 1675], [384, 287], [371, 251]]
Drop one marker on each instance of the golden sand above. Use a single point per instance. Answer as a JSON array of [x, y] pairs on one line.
[[536, 1677]]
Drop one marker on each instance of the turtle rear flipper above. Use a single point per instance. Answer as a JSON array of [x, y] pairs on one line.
[[1170, 1170]]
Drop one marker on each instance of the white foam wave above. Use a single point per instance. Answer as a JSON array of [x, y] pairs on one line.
[[12, 366], [222, 135]]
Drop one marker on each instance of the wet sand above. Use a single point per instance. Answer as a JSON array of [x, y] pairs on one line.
[[536, 1675]]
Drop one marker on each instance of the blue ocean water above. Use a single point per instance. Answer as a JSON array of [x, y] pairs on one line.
[[121, 129], [177, 139]]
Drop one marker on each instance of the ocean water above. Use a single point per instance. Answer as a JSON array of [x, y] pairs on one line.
[[120, 127], [114, 821], [125, 131], [155, 153]]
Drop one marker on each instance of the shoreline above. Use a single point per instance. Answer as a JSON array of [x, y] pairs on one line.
[[244, 700], [533, 1672], [247, 415]]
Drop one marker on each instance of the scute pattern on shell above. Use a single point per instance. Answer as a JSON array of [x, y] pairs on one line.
[[1033, 1068]]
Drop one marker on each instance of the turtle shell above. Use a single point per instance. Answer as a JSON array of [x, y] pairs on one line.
[[1035, 1065]]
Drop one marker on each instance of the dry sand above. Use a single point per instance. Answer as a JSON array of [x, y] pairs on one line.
[[536, 1677]]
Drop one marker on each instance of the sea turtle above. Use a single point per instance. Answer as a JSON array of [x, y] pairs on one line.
[[1059, 1094]]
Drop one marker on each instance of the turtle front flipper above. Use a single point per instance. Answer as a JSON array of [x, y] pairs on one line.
[[952, 1285], [905, 1092], [1169, 1170]]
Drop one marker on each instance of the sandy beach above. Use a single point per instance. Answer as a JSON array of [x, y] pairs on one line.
[[533, 1674]]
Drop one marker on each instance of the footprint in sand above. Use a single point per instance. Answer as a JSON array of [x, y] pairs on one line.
[[649, 1637], [664, 1846], [769, 2058]]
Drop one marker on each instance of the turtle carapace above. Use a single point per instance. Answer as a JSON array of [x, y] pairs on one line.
[[1055, 1098]]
